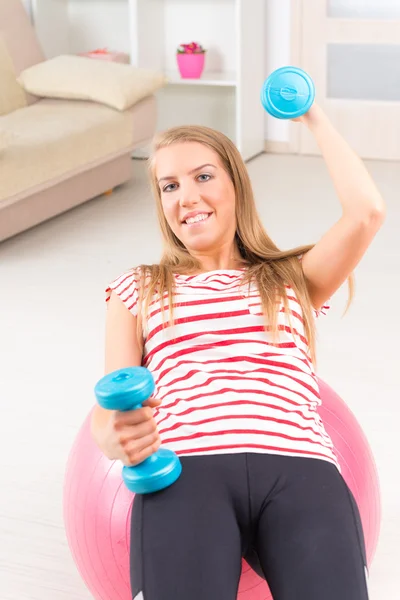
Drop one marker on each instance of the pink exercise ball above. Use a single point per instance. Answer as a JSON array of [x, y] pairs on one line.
[[97, 505]]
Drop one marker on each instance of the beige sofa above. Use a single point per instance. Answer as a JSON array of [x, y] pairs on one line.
[[55, 153]]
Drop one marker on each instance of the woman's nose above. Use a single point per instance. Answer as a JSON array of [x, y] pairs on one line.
[[189, 195]]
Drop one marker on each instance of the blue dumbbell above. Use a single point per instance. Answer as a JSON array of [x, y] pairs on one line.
[[126, 389], [288, 93]]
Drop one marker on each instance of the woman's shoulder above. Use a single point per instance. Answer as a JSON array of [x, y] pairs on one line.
[[136, 272], [125, 284], [131, 274]]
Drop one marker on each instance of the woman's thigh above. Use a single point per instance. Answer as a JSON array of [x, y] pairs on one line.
[[310, 540], [186, 540]]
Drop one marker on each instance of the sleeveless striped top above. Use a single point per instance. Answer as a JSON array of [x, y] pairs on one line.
[[225, 386]]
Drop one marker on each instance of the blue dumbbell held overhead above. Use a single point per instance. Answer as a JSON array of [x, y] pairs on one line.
[[288, 93], [127, 389]]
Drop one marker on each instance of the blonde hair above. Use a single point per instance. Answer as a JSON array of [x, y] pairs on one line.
[[270, 268]]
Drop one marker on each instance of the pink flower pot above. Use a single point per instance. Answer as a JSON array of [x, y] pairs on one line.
[[191, 65]]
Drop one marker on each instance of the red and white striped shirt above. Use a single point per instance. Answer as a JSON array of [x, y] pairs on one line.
[[225, 387]]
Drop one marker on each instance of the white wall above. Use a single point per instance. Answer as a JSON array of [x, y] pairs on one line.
[[98, 24], [28, 6], [50, 18], [105, 23]]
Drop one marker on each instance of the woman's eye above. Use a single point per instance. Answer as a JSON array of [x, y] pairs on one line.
[[204, 177], [169, 187]]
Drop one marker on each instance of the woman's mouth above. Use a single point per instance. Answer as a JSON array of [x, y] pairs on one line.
[[197, 220]]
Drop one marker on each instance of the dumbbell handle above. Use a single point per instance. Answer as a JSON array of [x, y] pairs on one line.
[[127, 389]]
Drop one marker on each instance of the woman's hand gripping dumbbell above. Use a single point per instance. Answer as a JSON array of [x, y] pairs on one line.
[[132, 431]]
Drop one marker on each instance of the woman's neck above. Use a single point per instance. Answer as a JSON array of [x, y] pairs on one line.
[[221, 265]]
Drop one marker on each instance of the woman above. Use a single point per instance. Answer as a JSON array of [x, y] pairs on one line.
[[225, 323]]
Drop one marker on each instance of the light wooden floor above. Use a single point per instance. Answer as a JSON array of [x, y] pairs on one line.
[[52, 327]]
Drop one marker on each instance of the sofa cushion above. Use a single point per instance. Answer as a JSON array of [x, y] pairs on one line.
[[5, 140], [51, 138], [12, 95], [119, 86]]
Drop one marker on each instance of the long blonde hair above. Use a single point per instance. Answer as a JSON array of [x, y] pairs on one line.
[[270, 268]]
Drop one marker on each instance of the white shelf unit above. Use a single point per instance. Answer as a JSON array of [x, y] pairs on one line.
[[217, 79], [227, 96]]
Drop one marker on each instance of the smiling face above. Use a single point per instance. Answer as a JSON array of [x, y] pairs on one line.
[[197, 197]]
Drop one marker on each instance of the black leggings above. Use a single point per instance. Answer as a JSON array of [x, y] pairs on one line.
[[296, 515]]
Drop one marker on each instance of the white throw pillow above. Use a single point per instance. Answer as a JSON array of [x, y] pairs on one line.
[[80, 78]]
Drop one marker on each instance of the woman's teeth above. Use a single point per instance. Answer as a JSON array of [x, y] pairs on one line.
[[197, 218]]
